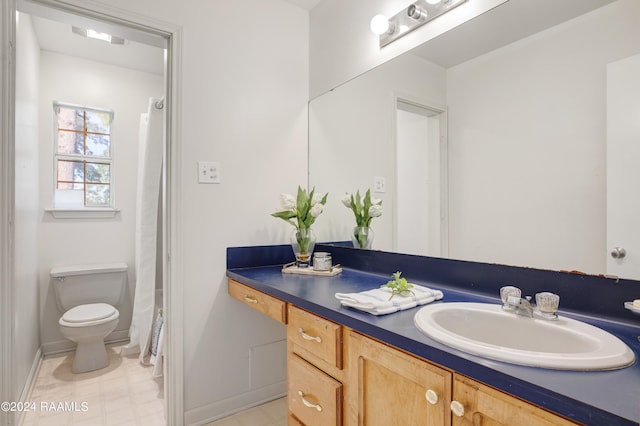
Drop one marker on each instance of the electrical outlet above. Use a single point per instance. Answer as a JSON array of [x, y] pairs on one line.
[[208, 172], [379, 184]]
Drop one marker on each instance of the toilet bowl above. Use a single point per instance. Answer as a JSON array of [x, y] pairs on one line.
[[88, 325], [88, 296]]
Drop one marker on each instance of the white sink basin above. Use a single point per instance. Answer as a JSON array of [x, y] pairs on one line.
[[486, 330]]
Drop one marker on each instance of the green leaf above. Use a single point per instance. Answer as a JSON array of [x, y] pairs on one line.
[[285, 215], [398, 285]]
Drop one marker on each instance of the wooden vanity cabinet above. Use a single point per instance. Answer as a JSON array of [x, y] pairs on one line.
[[315, 349], [338, 376], [483, 405], [268, 305], [314, 397], [390, 387]]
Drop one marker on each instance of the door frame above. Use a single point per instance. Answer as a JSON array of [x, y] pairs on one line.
[[444, 164], [171, 227]]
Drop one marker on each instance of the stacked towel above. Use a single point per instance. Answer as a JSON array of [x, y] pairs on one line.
[[378, 302]]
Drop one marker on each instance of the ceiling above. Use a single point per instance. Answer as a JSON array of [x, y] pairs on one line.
[[142, 51], [305, 4]]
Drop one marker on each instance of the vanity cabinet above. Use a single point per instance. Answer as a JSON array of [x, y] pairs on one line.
[[338, 376], [315, 375], [268, 305], [392, 387], [482, 405], [314, 397]]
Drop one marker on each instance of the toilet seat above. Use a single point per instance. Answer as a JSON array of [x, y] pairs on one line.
[[89, 315]]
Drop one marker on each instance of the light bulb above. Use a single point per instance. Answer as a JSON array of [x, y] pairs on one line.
[[379, 24], [433, 1]]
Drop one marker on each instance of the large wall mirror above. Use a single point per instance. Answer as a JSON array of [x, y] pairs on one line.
[[518, 110]]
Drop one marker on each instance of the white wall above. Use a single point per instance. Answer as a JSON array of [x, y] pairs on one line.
[[342, 45], [27, 213], [549, 176], [85, 241], [244, 87], [352, 140]]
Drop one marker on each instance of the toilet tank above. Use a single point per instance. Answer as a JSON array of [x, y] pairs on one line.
[[83, 284]]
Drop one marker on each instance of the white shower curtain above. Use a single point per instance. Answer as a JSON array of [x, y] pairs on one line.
[[150, 154]]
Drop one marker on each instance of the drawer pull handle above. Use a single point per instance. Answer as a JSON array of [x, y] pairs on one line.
[[250, 299], [432, 397], [306, 336], [457, 409], [307, 403]]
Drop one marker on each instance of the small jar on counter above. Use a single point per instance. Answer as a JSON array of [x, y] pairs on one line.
[[322, 261]]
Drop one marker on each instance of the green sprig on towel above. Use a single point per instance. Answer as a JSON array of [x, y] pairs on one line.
[[398, 285]]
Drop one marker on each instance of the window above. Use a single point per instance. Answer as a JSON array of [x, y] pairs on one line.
[[83, 157]]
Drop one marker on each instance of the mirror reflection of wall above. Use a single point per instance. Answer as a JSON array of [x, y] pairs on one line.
[[352, 140], [526, 136]]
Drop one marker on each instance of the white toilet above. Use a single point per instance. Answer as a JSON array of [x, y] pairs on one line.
[[88, 295]]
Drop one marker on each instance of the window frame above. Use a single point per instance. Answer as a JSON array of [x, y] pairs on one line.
[[80, 211]]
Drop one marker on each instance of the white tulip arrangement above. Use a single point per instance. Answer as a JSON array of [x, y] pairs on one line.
[[302, 210], [364, 208]]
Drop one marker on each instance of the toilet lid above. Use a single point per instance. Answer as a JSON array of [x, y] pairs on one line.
[[90, 312]]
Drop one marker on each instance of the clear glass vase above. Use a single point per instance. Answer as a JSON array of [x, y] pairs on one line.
[[362, 237], [303, 241]]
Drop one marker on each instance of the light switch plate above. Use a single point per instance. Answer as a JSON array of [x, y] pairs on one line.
[[379, 184], [208, 172]]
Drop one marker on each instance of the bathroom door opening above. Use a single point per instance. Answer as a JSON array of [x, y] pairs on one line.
[[420, 216], [146, 30], [623, 168]]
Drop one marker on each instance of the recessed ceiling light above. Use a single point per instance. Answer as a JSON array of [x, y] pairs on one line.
[[96, 35]]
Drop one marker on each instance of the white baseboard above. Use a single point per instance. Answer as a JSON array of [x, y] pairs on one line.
[[229, 406], [25, 393], [61, 346]]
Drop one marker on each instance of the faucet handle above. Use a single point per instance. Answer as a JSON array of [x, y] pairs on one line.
[[508, 292], [547, 302]]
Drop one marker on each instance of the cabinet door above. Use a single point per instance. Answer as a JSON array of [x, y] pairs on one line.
[[389, 387], [483, 405]]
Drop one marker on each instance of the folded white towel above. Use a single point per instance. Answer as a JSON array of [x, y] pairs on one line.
[[378, 301]]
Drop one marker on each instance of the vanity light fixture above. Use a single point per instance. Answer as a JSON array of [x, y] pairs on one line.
[[96, 35], [381, 25], [407, 20]]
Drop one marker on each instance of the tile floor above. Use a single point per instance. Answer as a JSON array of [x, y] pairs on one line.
[[272, 413], [122, 394]]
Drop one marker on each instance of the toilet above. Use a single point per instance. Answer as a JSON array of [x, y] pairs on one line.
[[88, 296]]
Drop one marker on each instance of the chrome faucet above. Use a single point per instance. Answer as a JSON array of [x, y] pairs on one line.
[[519, 305], [546, 307]]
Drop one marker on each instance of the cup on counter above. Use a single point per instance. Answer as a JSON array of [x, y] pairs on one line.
[[322, 261]]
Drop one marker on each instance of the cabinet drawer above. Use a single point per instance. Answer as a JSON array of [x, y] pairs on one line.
[[315, 398], [318, 336], [275, 308]]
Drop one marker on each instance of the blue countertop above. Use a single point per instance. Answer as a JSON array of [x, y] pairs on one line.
[[591, 397]]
